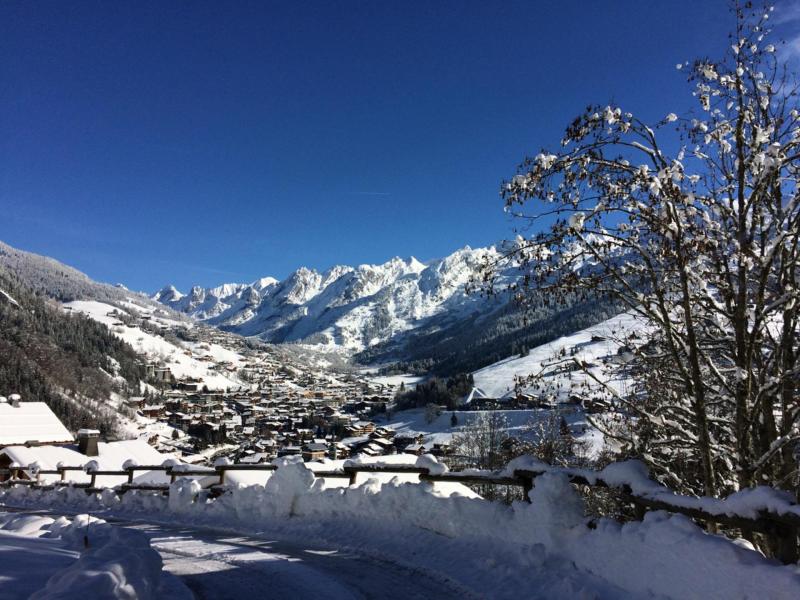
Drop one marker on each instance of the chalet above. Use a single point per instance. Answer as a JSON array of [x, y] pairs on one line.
[[596, 405], [162, 375], [361, 428], [289, 451], [404, 442], [135, 402], [314, 451], [153, 411], [440, 449], [417, 449], [476, 400], [338, 450]]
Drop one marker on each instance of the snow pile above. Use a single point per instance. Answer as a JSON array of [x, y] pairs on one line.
[[665, 556], [182, 493], [117, 563]]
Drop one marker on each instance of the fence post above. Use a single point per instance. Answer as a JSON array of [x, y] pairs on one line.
[[527, 486], [62, 473], [353, 474], [786, 550], [221, 470], [130, 475]]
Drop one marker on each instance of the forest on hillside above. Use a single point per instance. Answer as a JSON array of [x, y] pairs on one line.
[[66, 360], [467, 345]]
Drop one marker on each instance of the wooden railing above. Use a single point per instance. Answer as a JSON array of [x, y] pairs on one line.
[[783, 526]]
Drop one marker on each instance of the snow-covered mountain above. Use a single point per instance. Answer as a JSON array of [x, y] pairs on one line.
[[349, 307]]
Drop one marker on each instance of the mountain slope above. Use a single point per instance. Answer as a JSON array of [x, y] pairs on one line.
[[400, 311], [47, 276], [68, 361], [348, 307]]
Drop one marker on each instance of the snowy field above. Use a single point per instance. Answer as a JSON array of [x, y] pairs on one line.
[[406, 541], [406, 379], [598, 347]]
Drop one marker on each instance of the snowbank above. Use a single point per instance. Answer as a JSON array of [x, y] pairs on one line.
[[110, 562], [666, 556]]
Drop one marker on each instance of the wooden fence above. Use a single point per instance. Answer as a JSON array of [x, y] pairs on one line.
[[783, 527]]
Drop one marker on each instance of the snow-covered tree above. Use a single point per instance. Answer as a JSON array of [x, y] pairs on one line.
[[693, 224]]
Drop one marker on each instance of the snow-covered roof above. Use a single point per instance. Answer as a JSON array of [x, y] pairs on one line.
[[110, 457], [474, 393], [31, 422]]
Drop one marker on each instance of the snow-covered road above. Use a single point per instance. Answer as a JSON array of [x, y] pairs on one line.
[[216, 565], [219, 566]]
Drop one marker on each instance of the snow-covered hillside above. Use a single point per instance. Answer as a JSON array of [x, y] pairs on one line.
[[348, 307], [183, 361], [600, 349], [57, 280], [516, 423]]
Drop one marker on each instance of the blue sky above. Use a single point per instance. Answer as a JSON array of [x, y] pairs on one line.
[[202, 142]]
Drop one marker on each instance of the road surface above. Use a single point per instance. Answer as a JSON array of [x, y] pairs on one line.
[[221, 566]]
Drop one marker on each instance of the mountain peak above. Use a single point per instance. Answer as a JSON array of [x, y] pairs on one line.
[[349, 307], [167, 294]]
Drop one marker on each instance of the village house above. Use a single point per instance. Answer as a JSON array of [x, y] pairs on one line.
[[314, 451]]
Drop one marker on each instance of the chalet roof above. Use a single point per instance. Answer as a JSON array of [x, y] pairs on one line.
[[110, 457], [475, 393], [31, 422], [381, 441], [315, 447]]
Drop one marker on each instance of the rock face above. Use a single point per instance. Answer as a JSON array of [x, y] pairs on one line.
[[349, 307]]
